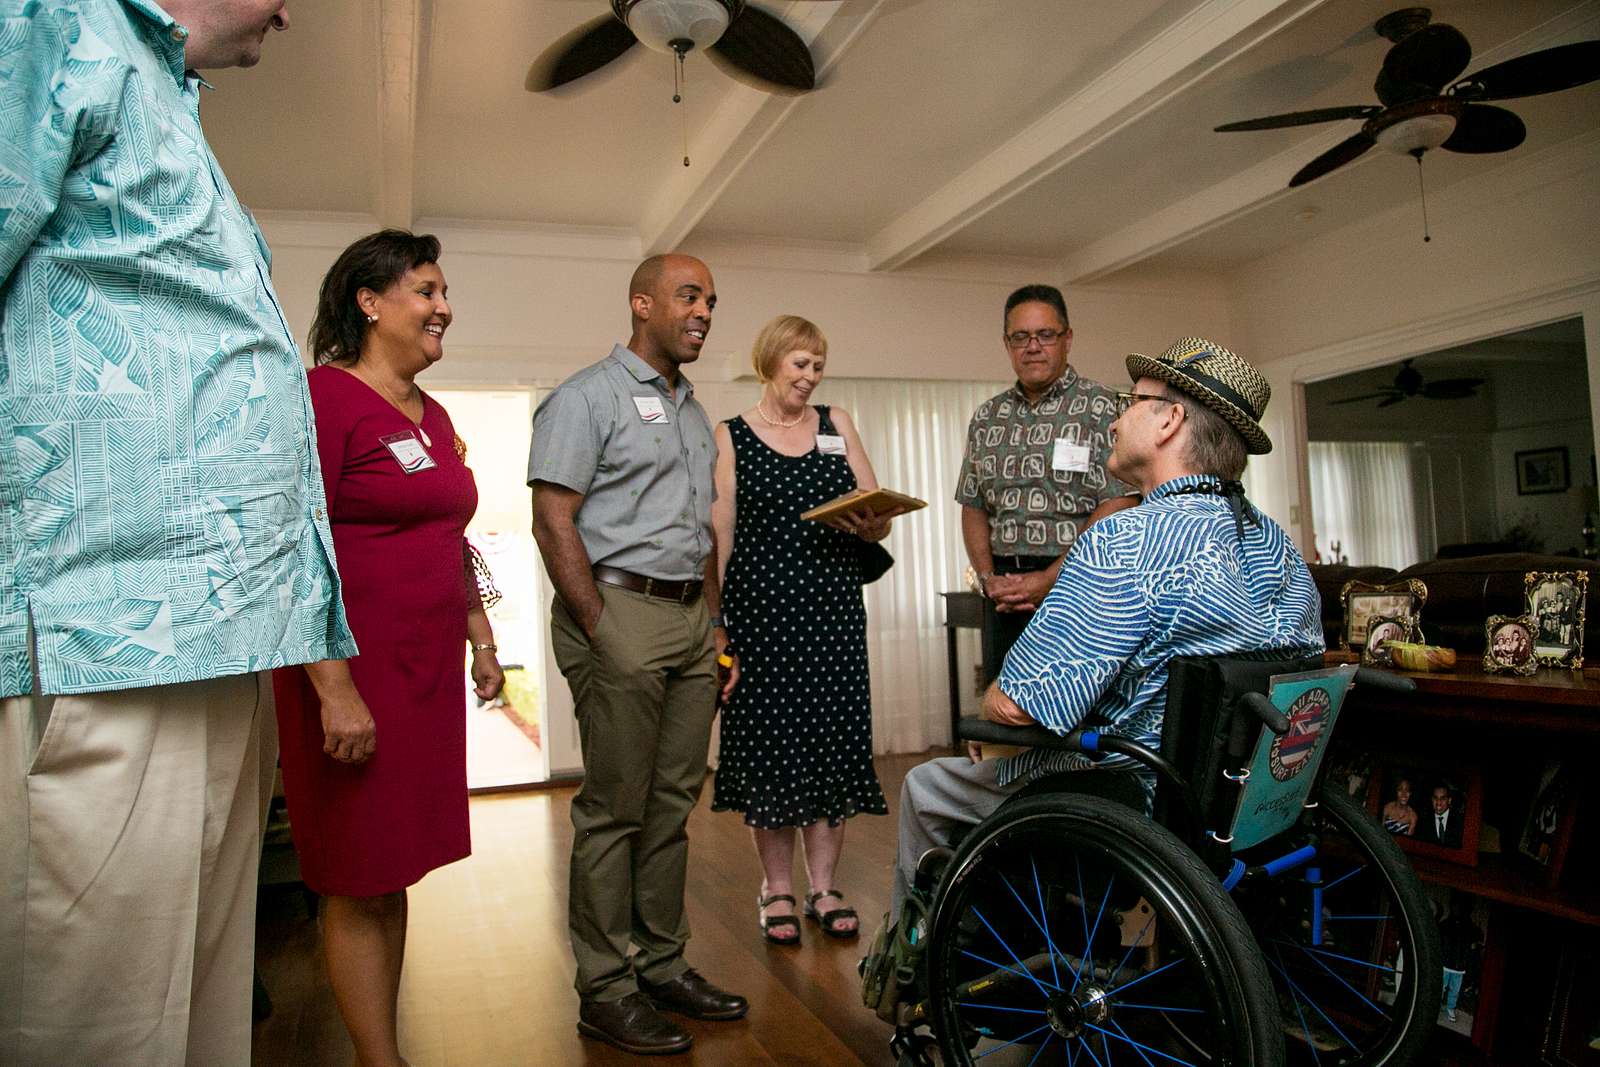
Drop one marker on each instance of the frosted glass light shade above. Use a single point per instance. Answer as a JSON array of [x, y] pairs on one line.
[[656, 23]]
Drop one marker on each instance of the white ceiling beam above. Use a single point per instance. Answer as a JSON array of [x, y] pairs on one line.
[[1214, 34], [744, 122], [1260, 185], [399, 47]]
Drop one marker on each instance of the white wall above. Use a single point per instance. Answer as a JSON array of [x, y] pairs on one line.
[[1513, 248]]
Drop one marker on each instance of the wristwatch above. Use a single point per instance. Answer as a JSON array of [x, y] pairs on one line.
[[717, 623], [983, 584], [485, 647]]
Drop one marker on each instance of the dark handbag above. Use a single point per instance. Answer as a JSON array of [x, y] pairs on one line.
[[875, 561]]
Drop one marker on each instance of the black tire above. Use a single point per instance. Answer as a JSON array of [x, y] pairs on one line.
[[1368, 995], [1058, 903]]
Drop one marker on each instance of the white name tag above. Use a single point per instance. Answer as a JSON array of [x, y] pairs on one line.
[[830, 444], [651, 410], [1069, 457], [408, 452]]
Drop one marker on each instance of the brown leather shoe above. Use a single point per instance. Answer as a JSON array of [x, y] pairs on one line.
[[633, 1025], [691, 995]]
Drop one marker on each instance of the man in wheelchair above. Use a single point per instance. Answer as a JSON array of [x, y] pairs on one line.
[[1193, 570]]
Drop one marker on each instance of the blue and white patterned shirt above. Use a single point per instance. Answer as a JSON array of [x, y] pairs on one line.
[[1168, 578], [161, 508]]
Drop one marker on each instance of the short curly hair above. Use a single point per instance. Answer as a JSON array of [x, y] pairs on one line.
[[374, 262], [785, 334]]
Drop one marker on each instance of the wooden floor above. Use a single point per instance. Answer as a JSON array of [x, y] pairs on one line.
[[488, 974]]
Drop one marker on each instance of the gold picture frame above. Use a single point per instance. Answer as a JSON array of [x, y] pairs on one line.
[[1382, 628], [1556, 608], [1363, 600], [1508, 645]]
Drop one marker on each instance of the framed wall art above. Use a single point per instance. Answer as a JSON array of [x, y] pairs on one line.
[[1363, 600], [1556, 606], [1543, 470]]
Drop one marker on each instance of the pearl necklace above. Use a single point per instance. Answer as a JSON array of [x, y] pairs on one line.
[[774, 422]]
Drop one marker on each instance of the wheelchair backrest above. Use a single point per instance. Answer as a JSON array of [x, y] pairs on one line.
[[1203, 733]]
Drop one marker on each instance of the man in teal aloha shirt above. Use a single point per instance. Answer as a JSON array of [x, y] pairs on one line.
[[165, 541]]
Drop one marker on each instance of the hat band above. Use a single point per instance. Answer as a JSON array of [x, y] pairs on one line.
[[1222, 389]]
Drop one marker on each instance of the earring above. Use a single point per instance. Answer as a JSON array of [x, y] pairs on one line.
[[372, 318]]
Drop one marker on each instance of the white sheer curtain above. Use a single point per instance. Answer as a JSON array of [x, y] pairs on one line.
[[1363, 496], [914, 433]]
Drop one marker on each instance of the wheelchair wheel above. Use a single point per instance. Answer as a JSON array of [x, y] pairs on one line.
[[1072, 931], [1356, 969]]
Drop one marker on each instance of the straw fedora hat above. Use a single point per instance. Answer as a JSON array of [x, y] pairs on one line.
[[1219, 379]]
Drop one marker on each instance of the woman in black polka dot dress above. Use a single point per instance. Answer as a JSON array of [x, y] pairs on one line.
[[797, 733]]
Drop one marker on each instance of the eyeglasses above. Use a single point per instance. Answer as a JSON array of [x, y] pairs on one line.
[[1020, 338], [1127, 400]]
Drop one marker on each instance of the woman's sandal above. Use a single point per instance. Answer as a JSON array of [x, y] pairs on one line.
[[829, 920], [777, 922]]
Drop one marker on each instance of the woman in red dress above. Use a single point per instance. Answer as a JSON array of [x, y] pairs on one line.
[[374, 748]]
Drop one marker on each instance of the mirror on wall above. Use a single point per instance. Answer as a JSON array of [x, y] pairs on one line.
[[1484, 447]]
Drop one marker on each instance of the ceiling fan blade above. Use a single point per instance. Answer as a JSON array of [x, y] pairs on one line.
[[1393, 400], [1546, 71], [1366, 396], [1452, 388], [759, 49], [1301, 118], [1432, 56], [1337, 156], [1485, 128], [583, 51]]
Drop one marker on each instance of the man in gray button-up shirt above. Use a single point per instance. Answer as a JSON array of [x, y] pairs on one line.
[[621, 470]]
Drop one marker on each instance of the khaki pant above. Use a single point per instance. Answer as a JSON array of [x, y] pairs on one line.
[[130, 835], [645, 691]]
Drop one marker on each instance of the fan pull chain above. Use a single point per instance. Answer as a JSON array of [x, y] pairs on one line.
[[680, 79], [1422, 187]]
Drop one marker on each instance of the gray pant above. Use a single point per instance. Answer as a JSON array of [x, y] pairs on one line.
[[938, 797], [645, 692]]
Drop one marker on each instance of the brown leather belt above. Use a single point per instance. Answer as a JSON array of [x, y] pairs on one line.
[[682, 592]]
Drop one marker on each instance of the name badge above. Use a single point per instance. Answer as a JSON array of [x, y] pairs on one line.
[[1069, 457], [408, 452], [830, 444], [651, 410]]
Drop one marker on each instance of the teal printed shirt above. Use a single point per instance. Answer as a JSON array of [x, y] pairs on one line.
[[161, 505]]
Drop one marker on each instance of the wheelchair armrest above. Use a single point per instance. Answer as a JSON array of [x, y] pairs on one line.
[[973, 728], [1262, 708], [1384, 680]]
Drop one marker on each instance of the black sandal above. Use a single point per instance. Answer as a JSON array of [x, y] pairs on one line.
[[829, 920], [769, 924]]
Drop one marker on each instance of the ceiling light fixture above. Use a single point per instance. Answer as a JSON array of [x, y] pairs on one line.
[[674, 26]]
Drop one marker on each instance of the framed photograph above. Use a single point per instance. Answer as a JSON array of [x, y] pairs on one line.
[[1508, 645], [1556, 605], [1350, 769], [1543, 470], [1383, 628], [1470, 991], [1430, 809], [1547, 827], [1363, 600], [1572, 1031]]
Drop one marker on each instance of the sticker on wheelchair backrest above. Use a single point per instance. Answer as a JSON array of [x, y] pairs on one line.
[[1282, 769]]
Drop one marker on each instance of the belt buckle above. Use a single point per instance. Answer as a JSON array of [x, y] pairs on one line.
[[683, 592]]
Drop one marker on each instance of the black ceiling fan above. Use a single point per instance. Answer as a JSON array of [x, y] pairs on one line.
[[1409, 383], [1420, 108], [743, 40]]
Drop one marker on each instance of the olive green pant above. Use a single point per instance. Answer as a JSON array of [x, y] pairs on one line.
[[645, 692]]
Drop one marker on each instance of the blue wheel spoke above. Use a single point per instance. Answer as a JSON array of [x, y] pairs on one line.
[[1007, 968], [1088, 950], [1137, 1045], [1351, 873], [1298, 994], [1050, 946], [1340, 979], [999, 1007], [1040, 1050], [1006, 945], [1340, 956], [1147, 974], [1038, 891], [1126, 956], [1013, 1041], [1294, 995], [1089, 1048], [1124, 1006], [1088, 943]]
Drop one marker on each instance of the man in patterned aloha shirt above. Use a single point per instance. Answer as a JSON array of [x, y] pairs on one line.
[[1034, 473], [165, 537], [1194, 570]]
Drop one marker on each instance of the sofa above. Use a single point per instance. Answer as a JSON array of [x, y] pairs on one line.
[[1462, 593]]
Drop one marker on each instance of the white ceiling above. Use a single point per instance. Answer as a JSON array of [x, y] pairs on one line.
[[1075, 131]]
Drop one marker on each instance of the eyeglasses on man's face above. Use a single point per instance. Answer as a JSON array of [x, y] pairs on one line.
[[1020, 338], [1127, 400]]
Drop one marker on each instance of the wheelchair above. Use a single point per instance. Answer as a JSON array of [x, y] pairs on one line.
[[1079, 925]]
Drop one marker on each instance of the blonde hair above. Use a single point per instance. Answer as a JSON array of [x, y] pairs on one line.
[[785, 334]]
